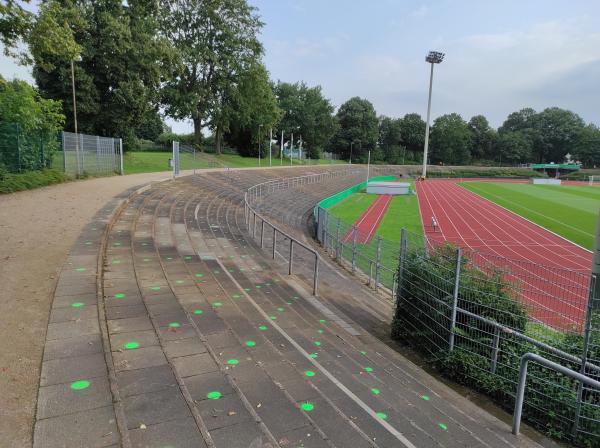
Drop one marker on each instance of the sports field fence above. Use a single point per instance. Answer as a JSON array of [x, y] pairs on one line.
[[23, 150]]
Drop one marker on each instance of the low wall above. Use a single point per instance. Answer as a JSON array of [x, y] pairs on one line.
[[536, 181], [332, 200]]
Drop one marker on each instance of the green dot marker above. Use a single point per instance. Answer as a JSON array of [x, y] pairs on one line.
[[281, 310], [375, 391], [250, 343], [217, 304], [197, 311], [155, 288], [382, 415], [117, 244], [307, 407], [313, 355], [320, 331], [214, 395], [146, 259], [233, 362], [81, 269], [368, 369], [199, 275], [87, 243], [309, 373], [363, 353], [179, 282], [289, 303], [317, 343], [262, 328], [273, 317], [443, 426], [174, 325], [116, 261], [246, 289], [322, 321], [425, 397], [131, 345], [119, 296], [258, 286], [169, 258], [187, 257], [77, 305], [80, 385], [236, 296]]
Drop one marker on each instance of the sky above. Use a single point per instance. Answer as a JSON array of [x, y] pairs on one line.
[[501, 56]]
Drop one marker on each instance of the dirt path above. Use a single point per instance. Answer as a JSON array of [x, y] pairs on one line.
[[37, 229]]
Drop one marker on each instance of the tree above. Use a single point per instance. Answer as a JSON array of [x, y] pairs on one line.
[[15, 23], [450, 140], [122, 56], [517, 121], [215, 42], [483, 137], [358, 125], [514, 147], [412, 134], [390, 137], [244, 108], [558, 130], [307, 114], [587, 146]]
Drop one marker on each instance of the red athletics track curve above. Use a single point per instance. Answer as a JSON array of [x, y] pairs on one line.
[[367, 224], [555, 296]]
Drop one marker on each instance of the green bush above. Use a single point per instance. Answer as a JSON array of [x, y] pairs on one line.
[[10, 182], [480, 172], [422, 317]]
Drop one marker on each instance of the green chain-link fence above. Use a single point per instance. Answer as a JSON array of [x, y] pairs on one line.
[[24, 150]]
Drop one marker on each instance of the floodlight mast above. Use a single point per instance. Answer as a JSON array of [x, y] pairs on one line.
[[434, 57]]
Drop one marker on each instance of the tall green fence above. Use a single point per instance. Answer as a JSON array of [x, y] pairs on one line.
[[24, 150]]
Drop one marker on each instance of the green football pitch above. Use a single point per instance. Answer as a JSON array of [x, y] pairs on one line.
[[570, 211]]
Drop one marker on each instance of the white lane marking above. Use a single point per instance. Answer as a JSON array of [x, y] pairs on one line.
[[407, 443]]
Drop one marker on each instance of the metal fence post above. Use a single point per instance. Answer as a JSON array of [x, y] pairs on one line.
[[354, 231], [97, 153], [455, 298], [495, 350], [121, 155], [316, 275], [584, 353], [262, 232], [337, 239], [377, 262], [82, 154], [274, 241], [370, 271], [291, 256], [62, 142], [402, 259]]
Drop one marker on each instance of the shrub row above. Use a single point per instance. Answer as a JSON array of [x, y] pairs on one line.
[[10, 182]]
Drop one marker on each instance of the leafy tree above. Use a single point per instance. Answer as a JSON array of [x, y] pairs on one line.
[[518, 121], [358, 124], [587, 146], [243, 108], [121, 63], [483, 137], [15, 23], [215, 42], [306, 113], [451, 140], [558, 130], [151, 126], [412, 134], [514, 147], [390, 137]]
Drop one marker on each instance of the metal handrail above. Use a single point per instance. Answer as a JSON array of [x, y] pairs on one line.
[[256, 191], [532, 357]]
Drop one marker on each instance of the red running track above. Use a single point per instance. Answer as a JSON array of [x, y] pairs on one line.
[[367, 224], [553, 273]]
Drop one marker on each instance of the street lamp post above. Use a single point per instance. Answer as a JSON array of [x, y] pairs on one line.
[[259, 126], [434, 57]]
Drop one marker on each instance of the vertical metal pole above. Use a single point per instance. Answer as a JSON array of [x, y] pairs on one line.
[[82, 151], [426, 147], [455, 298], [402, 259], [291, 256], [520, 395], [262, 232], [584, 353], [281, 150], [254, 225], [337, 240], [75, 116], [377, 262], [316, 275], [194, 162], [270, 147], [370, 272], [354, 233], [62, 139], [274, 241], [495, 349], [121, 155], [291, 148], [368, 168], [97, 153]]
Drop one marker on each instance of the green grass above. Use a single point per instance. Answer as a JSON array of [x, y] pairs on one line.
[[152, 161], [569, 211], [10, 183]]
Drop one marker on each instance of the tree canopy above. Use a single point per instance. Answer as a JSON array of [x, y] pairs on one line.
[[359, 126]]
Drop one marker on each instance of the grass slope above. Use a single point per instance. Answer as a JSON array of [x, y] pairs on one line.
[[150, 162], [569, 211]]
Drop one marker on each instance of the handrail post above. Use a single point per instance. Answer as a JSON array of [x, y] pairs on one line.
[[274, 241], [402, 259], [291, 256], [455, 298], [495, 349], [316, 275], [262, 232], [377, 262], [354, 231], [337, 239], [254, 225]]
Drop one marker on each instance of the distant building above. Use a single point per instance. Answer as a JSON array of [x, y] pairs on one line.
[[555, 169]]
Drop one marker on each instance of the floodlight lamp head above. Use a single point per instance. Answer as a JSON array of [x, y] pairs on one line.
[[434, 57]]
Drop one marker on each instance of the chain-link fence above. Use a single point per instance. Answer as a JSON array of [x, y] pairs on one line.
[[24, 150], [91, 155], [476, 315]]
